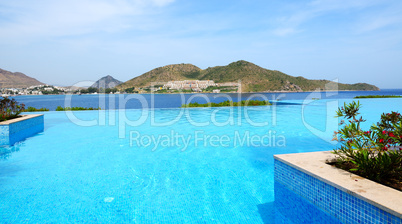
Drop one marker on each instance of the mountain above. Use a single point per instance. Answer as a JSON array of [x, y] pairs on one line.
[[164, 74], [106, 82], [16, 80], [253, 78]]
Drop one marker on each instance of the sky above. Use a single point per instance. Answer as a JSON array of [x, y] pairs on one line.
[[66, 42]]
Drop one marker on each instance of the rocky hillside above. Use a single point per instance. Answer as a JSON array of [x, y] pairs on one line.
[[16, 80], [252, 77], [164, 74], [106, 82]]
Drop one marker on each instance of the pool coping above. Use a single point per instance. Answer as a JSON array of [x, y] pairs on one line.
[[18, 119], [314, 164]]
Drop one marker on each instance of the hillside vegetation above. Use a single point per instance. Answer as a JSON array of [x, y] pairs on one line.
[[163, 74], [253, 78], [16, 80]]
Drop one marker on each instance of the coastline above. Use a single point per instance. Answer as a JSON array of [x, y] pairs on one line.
[[175, 100], [321, 91]]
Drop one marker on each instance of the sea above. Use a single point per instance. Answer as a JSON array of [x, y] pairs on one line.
[[140, 101]]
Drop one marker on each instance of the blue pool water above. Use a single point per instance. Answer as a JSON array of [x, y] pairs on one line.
[[207, 165]]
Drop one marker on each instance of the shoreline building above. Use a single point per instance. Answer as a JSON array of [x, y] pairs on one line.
[[195, 85], [199, 85]]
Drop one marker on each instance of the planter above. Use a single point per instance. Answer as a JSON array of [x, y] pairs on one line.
[[18, 129], [343, 195]]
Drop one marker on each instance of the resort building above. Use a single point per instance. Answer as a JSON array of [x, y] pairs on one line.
[[189, 84], [197, 85]]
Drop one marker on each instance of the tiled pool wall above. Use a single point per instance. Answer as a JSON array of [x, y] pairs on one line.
[[12, 132], [299, 210], [339, 204]]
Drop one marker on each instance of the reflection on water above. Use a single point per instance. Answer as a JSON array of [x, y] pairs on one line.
[[5, 152], [289, 207]]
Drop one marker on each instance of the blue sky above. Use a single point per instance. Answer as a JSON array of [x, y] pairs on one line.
[[65, 42]]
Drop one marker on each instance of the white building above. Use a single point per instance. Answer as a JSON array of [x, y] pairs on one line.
[[189, 84], [35, 92]]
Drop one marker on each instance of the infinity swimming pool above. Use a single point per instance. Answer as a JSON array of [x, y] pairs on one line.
[[167, 165]]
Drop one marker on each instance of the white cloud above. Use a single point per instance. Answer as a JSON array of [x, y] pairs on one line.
[[284, 31], [48, 18], [389, 16], [303, 13], [332, 5], [380, 22], [162, 3]]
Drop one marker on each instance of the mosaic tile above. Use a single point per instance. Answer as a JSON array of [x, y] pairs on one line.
[[18, 131], [339, 204]]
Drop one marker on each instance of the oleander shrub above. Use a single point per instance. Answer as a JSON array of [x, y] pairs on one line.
[[376, 153], [10, 109]]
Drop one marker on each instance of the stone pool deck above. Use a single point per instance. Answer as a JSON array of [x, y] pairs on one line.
[[346, 196]]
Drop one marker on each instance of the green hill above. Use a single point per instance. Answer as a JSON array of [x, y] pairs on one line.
[[253, 78], [163, 74]]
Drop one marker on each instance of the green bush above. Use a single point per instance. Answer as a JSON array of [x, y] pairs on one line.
[[10, 108], [375, 154], [33, 109], [60, 108], [377, 96], [129, 90]]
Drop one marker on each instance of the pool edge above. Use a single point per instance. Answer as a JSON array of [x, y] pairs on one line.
[[18, 129], [314, 165]]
